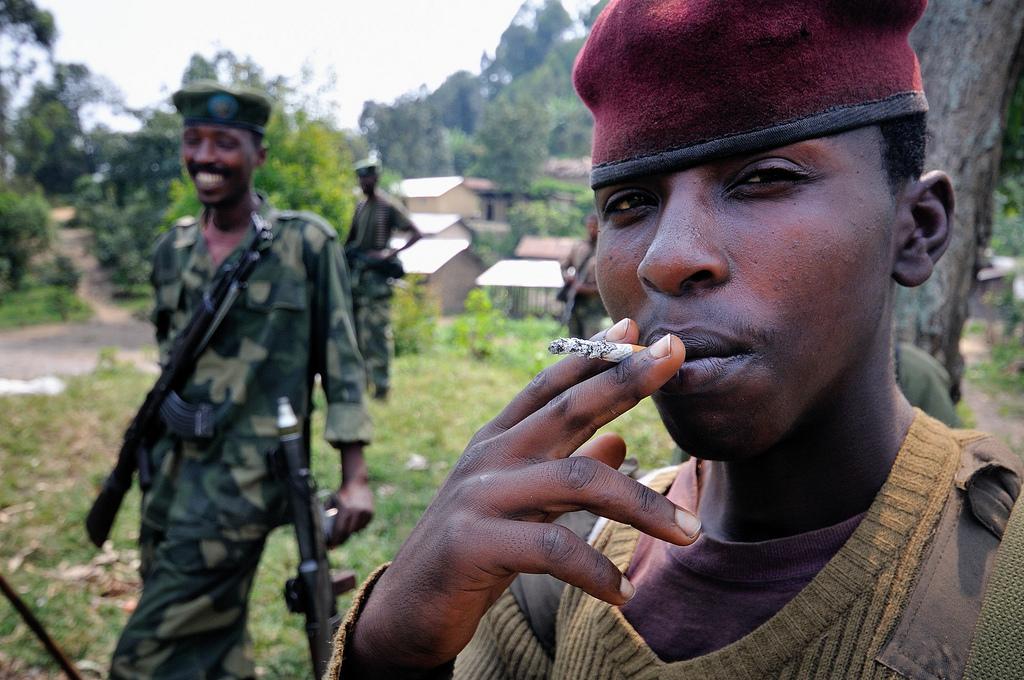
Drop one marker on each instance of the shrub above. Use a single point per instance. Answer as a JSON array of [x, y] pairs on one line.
[[24, 231], [60, 272], [414, 315], [476, 330]]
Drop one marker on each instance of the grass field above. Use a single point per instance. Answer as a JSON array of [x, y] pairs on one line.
[[54, 452], [41, 304]]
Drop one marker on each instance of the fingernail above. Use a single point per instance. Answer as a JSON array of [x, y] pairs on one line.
[[688, 522], [662, 348], [618, 331], [626, 589]]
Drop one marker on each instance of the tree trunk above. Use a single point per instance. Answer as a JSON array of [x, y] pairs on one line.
[[971, 54]]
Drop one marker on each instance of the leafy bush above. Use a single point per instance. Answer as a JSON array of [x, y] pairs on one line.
[[24, 231], [414, 315], [476, 330], [60, 272], [41, 304], [123, 235], [1008, 225]]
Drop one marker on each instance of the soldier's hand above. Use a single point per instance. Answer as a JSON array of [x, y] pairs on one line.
[[354, 503], [491, 518]]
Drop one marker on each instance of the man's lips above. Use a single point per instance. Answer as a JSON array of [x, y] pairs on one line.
[[710, 358], [208, 179], [701, 344]]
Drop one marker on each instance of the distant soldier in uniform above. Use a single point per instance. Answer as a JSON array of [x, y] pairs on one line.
[[374, 267], [585, 313], [925, 383], [213, 500]]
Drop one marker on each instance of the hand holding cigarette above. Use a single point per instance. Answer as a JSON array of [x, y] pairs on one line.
[[492, 517]]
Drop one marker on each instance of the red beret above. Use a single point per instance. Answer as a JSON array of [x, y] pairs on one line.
[[674, 83]]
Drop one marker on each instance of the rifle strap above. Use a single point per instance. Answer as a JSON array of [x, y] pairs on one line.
[[197, 422]]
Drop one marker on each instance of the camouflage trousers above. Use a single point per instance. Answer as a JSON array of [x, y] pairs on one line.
[[376, 342], [190, 622]]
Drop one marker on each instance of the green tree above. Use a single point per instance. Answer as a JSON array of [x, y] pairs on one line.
[[513, 136], [50, 144], [534, 31], [590, 16], [145, 160], [24, 231], [227, 67], [124, 202], [459, 101], [466, 151], [23, 28], [409, 136]]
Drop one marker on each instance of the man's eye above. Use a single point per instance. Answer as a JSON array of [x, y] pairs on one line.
[[770, 176], [628, 201]]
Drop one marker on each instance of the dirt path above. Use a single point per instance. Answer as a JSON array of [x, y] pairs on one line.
[[999, 414], [74, 348]]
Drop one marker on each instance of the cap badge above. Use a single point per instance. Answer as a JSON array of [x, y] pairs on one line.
[[222, 106]]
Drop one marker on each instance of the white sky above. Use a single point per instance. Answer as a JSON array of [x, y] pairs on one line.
[[377, 49]]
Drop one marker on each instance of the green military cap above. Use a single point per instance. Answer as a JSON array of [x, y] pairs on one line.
[[368, 166], [208, 102]]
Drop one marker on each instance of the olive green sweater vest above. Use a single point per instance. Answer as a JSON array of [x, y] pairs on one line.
[[861, 607], [834, 628]]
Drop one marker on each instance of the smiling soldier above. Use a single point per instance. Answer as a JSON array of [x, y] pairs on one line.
[[212, 501], [758, 180]]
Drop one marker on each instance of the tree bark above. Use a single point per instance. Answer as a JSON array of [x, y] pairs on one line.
[[971, 52]]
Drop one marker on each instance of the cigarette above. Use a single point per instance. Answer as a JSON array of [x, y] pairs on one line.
[[594, 349]]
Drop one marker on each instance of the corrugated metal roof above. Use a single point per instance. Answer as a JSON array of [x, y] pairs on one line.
[[428, 255], [433, 223], [545, 247], [428, 187], [523, 274]]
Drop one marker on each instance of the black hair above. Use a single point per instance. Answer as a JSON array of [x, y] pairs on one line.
[[903, 148]]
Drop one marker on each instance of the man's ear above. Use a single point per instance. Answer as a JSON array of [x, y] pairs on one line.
[[261, 155], [924, 225]]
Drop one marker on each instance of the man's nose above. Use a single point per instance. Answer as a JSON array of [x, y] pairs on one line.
[[687, 254], [204, 152]]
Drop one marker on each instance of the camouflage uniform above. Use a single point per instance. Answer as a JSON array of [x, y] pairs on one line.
[[374, 222], [212, 503], [588, 315]]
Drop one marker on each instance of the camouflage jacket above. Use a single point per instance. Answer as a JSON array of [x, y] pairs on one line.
[[292, 323]]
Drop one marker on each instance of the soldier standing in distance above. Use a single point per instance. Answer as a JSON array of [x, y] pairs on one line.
[[586, 315], [374, 266], [213, 500]]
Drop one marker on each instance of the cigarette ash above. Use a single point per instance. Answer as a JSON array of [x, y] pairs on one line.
[[592, 349]]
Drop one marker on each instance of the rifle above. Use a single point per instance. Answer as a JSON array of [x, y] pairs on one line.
[[146, 427], [568, 296], [314, 590], [390, 267]]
